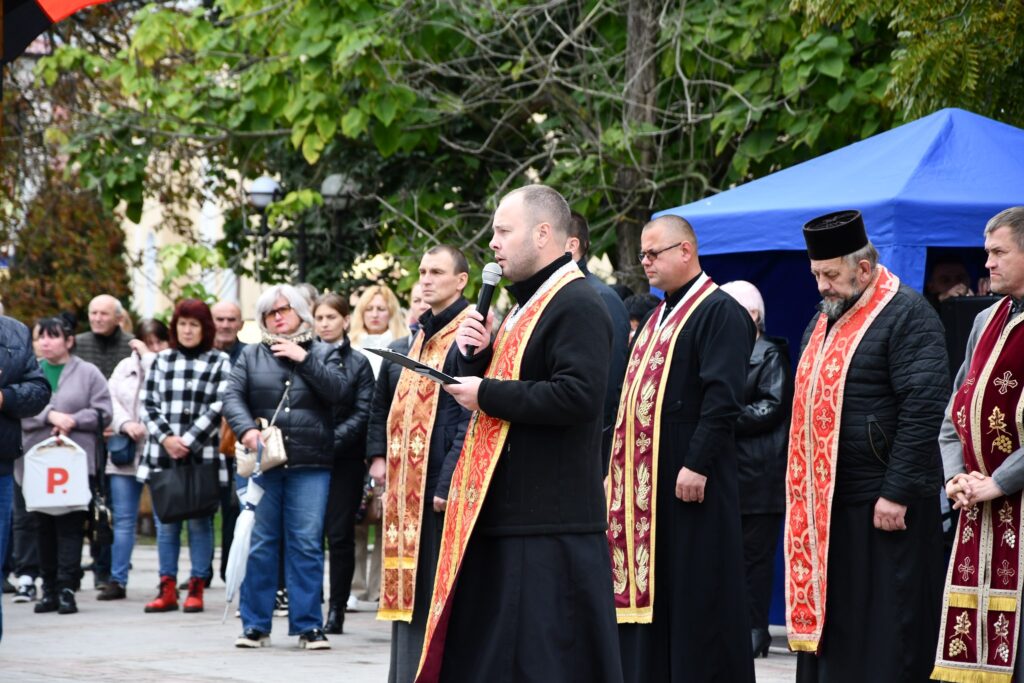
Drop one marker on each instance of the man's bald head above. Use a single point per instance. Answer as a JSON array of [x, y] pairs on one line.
[[227, 320], [543, 204], [675, 226], [105, 313]]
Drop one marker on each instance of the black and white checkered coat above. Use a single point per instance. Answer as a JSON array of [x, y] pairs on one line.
[[183, 397]]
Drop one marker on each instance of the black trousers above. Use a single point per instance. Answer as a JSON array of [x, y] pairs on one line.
[[760, 539], [339, 525], [60, 549], [228, 516], [24, 539]]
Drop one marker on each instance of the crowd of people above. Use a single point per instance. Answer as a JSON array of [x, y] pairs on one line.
[[599, 492]]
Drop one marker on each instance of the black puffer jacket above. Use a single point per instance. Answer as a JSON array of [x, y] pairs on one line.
[[893, 403], [258, 380], [762, 429], [25, 391], [352, 413]]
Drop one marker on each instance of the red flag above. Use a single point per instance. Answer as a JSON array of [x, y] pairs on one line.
[[24, 20]]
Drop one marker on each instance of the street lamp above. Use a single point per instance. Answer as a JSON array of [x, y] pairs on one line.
[[263, 192], [337, 190]]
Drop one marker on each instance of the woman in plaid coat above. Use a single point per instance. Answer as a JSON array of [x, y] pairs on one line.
[[182, 409]]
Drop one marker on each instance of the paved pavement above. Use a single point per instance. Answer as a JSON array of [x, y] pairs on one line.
[[117, 641]]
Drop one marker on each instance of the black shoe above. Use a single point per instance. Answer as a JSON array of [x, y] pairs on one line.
[[66, 602], [760, 640], [48, 603], [253, 638], [101, 581], [314, 640], [113, 591], [335, 624]]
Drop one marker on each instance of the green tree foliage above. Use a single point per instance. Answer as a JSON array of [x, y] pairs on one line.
[[436, 108], [71, 249], [963, 53]]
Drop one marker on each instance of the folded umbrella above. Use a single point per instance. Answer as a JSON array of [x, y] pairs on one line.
[[238, 558]]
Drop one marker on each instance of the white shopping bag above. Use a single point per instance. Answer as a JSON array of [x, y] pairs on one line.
[[56, 479]]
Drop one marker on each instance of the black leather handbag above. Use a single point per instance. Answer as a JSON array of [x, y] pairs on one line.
[[101, 519], [185, 491]]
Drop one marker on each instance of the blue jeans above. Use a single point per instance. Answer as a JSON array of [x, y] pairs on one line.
[[293, 505], [125, 491], [200, 546], [6, 510]]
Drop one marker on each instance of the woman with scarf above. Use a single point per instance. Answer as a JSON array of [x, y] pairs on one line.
[[299, 379]]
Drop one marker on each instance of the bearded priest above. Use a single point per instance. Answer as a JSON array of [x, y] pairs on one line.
[[862, 536], [673, 506]]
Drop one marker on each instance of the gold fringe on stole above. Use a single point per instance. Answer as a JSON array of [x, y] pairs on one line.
[[400, 563], [1001, 604], [963, 600], [951, 675], [395, 614], [803, 646], [634, 615]]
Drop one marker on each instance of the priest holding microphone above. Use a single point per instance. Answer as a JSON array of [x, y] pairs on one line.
[[523, 586]]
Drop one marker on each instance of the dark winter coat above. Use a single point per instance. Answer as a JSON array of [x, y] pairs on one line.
[[762, 429], [895, 395], [352, 413], [24, 388], [257, 383]]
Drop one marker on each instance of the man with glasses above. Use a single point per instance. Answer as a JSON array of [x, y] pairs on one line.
[[673, 504]]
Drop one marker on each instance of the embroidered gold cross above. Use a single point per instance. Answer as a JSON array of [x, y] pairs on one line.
[[821, 470], [417, 445], [643, 442], [396, 446], [823, 419], [1006, 382], [392, 533], [966, 569], [832, 368], [801, 571], [656, 361], [1006, 572]]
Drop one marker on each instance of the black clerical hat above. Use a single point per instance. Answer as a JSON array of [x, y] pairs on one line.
[[835, 234]]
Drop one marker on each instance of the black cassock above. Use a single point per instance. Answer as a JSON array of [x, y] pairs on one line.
[[533, 601], [701, 627]]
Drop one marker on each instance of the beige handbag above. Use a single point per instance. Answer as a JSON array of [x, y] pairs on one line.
[[272, 454]]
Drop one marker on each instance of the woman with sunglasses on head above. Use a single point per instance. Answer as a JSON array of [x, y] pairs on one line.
[[79, 407], [182, 408], [294, 381]]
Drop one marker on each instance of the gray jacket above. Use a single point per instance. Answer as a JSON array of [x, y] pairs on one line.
[[81, 391]]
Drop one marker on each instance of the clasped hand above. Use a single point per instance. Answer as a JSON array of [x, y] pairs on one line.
[[967, 490]]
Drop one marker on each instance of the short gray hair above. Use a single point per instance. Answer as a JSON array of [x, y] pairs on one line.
[[1012, 218], [296, 299], [545, 205], [866, 253]]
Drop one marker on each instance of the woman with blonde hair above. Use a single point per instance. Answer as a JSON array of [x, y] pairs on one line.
[[376, 322]]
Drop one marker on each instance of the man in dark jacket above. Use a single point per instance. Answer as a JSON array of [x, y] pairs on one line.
[[578, 245], [524, 524], [105, 344], [24, 392], [863, 538], [418, 409]]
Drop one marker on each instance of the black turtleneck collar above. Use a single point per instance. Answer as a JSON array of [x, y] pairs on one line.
[[108, 340], [675, 297], [582, 263], [191, 353], [522, 291], [432, 324], [1016, 306]]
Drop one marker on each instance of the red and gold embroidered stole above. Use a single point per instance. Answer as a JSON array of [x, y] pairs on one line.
[[633, 497], [485, 439], [981, 606], [813, 449], [410, 424]]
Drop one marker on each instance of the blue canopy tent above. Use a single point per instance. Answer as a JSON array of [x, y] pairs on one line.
[[929, 184]]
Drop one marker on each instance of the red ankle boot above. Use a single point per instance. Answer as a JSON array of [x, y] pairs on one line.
[[167, 599], [194, 601]]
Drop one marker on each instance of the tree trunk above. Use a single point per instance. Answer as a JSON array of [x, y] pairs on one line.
[[631, 179]]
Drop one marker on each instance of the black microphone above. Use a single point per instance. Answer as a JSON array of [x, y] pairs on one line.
[[491, 277]]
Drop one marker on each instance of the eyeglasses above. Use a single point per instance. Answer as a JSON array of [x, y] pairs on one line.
[[274, 312], [653, 253]]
